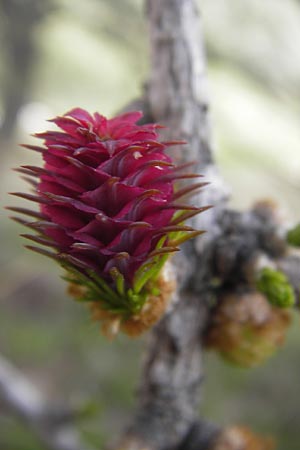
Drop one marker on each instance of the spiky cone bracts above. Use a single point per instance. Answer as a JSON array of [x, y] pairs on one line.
[[242, 438], [111, 213], [246, 329]]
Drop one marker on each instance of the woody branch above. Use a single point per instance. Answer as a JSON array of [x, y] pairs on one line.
[[177, 96]]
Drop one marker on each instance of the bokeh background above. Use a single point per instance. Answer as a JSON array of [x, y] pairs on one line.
[[57, 54]]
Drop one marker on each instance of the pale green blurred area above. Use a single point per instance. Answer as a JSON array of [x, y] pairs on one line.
[[94, 54]]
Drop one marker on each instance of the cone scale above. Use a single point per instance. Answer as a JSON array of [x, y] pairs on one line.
[[111, 213]]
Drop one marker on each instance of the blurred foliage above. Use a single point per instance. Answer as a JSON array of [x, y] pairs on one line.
[[94, 54]]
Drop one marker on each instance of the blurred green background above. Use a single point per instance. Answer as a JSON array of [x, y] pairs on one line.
[[55, 55]]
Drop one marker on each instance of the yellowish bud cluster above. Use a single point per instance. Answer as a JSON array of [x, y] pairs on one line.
[[246, 329]]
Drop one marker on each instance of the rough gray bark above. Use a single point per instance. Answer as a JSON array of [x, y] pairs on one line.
[[178, 91]]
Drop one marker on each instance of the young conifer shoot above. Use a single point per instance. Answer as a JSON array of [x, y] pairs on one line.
[[110, 212]]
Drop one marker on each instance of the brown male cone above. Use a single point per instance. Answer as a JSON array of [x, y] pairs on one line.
[[246, 329]]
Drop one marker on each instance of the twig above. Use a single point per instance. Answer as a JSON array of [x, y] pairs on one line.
[[50, 424]]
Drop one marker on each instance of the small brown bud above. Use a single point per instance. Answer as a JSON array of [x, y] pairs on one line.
[[269, 209], [132, 443], [242, 438], [245, 329]]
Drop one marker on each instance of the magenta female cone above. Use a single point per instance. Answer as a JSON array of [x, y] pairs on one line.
[[109, 209]]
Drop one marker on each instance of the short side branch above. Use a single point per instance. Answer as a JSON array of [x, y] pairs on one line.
[[21, 398]]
